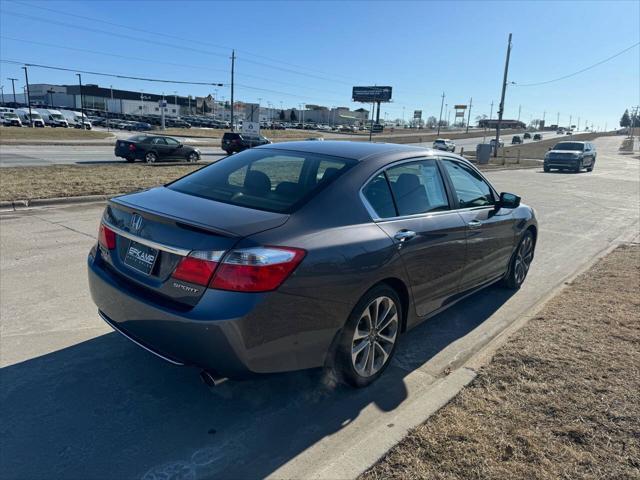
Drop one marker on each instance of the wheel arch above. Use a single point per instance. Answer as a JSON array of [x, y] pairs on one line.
[[403, 292]]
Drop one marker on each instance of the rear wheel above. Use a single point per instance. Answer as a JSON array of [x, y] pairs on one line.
[[193, 157], [369, 337], [520, 263], [150, 157], [131, 159]]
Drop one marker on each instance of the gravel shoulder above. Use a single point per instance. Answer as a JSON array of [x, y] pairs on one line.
[[561, 399]]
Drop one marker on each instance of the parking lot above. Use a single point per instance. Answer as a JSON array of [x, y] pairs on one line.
[[81, 396]]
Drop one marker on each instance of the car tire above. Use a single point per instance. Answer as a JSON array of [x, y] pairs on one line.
[[520, 262], [592, 166], [193, 157], [355, 361], [546, 169], [150, 157], [453, 150], [130, 159], [578, 167]]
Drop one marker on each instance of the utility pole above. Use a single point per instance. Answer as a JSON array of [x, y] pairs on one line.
[[570, 118], [81, 100], [13, 86], [26, 77], [558, 120], [162, 122], [578, 126], [469, 117], [2, 88], [504, 90], [519, 111], [373, 111], [233, 64], [440, 119], [491, 111]]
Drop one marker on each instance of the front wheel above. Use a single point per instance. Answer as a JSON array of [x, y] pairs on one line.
[[369, 337], [151, 157], [546, 169], [193, 157], [578, 167], [520, 263]]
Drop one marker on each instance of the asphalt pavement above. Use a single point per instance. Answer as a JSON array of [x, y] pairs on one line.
[[79, 401]]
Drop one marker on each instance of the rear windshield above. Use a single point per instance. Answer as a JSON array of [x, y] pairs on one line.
[[264, 179], [569, 146]]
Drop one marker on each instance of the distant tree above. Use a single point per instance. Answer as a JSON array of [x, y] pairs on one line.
[[432, 121], [481, 117], [625, 121], [281, 115], [292, 116]]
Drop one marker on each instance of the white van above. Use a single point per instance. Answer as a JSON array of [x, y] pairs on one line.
[[36, 119], [75, 119], [10, 119], [53, 118]]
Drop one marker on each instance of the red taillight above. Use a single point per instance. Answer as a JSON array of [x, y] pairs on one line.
[[132, 147], [197, 267], [258, 269], [106, 237]]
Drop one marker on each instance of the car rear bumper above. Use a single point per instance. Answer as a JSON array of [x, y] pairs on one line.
[[231, 333]]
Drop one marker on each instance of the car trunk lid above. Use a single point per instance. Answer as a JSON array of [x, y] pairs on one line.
[[156, 229]]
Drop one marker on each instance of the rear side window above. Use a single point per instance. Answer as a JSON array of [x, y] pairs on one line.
[[264, 179], [407, 189]]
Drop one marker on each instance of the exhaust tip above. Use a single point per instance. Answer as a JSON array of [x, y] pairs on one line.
[[211, 379]]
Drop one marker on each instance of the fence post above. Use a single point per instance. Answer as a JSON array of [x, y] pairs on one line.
[[504, 160], [461, 151], [518, 160]]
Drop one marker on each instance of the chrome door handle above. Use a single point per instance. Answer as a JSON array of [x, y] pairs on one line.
[[474, 224], [404, 235]]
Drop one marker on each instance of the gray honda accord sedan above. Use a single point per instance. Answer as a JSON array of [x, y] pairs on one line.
[[304, 254]]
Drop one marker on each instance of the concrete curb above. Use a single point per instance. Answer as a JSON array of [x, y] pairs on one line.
[[44, 202]]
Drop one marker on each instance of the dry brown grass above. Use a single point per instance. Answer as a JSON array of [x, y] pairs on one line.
[[28, 183], [39, 134], [560, 400]]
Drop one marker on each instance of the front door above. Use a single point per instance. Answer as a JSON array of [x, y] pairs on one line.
[[414, 211], [490, 232]]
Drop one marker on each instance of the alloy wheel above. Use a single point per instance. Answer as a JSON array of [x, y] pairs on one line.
[[523, 259], [150, 157], [375, 336]]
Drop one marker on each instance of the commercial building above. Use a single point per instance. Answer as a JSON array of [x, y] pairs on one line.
[[127, 102], [493, 123]]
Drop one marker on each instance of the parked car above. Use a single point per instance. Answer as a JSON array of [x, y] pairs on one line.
[[155, 148], [138, 126], [10, 119], [527, 135], [571, 156], [233, 142], [516, 140], [253, 264], [537, 136], [444, 144], [569, 132]]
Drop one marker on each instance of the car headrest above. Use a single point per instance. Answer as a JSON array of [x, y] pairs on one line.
[[257, 183]]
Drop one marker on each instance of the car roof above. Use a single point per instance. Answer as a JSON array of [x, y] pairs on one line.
[[347, 149]]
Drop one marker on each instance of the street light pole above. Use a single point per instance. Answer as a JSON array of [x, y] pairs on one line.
[[439, 120], [233, 64], [13, 87], [81, 100], [504, 90], [26, 77], [469, 117]]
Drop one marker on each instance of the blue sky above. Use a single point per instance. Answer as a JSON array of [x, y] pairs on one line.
[[314, 52]]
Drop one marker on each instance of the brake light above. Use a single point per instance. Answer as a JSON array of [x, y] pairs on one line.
[[132, 147], [258, 269], [198, 267], [106, 237]]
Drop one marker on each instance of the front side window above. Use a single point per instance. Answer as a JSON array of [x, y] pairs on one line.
[[158, 141], [470, 188], [271, 180], [171, 142]]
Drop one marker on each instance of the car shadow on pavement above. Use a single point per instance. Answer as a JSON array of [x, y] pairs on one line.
[[106, 409]]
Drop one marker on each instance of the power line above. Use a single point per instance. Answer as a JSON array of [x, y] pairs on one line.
[[113, 75], [579, 71], [166, 35]]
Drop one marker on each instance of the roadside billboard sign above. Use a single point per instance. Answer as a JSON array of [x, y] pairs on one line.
[[460, 107], [371, 94], [417, 114]]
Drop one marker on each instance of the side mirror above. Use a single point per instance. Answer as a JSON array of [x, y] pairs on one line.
[[509, 200]]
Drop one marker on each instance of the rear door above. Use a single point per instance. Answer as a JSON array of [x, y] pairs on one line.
[[410, 203], [490, 233], [174, 149], [159, 145]]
